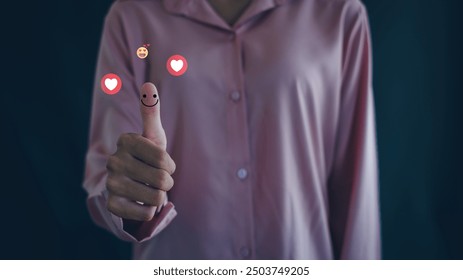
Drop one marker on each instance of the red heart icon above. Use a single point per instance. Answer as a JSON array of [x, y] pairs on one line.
[[111, 83], [177, 65]]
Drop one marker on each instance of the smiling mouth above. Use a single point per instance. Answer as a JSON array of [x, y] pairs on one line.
[[149, 105]]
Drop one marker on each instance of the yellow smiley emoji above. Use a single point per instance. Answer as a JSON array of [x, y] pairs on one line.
[[142, 52]]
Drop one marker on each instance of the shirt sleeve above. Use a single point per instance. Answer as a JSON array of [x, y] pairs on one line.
[[353, 181], [113, 115]]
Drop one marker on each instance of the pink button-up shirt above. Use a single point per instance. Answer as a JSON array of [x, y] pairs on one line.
[[271, 128]]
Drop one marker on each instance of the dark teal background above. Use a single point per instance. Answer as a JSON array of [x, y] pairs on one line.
[[49, 51]]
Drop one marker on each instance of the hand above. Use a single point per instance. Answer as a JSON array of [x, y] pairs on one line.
[[139, 172]]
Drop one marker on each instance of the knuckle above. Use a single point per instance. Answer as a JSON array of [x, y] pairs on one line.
[[112, 164], [164, 180], [114, 186], [112, 205], [124, 140], [169, 183], [163, 157], [151, 199], [160, 198], [147, 214], [172, 182], [157, 198], [121, 140], [117, 207], [110, 183], [173, 166], [137, 143]]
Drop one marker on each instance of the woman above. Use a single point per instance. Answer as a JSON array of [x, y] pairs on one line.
[[267, 120]]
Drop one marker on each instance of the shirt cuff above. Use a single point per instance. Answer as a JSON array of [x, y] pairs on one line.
[[146, 230], [115, 224]]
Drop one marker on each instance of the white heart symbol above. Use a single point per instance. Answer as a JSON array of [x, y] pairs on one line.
[[110, 83], [176, 65]]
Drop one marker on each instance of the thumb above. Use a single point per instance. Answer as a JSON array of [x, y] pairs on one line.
[[150, 107]]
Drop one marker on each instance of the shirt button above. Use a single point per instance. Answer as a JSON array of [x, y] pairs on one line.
[[235, 96], [245, 252], [242, 173]]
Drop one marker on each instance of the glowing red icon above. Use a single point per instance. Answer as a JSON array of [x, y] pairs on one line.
[[177, 65], [111, 83]]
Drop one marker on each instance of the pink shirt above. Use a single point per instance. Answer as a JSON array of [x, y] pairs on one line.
[[271, 128]]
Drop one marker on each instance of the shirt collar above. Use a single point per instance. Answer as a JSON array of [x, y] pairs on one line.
[[201, 11]]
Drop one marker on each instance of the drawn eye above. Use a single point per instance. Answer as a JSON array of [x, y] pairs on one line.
[[154, 95], [144, 95]]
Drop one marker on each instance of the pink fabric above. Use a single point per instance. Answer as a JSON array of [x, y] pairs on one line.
[[285, 95]]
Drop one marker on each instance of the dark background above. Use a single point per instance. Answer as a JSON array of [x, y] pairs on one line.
[[49, 49]]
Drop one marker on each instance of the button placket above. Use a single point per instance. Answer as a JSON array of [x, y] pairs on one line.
[[242, 173], [235, 96], [238, 129], [245, 252]]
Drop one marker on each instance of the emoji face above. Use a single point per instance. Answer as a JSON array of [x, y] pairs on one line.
[[142, 52], [149, 100]]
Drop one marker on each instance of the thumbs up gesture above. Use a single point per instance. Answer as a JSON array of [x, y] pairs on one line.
[[139, 172]]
